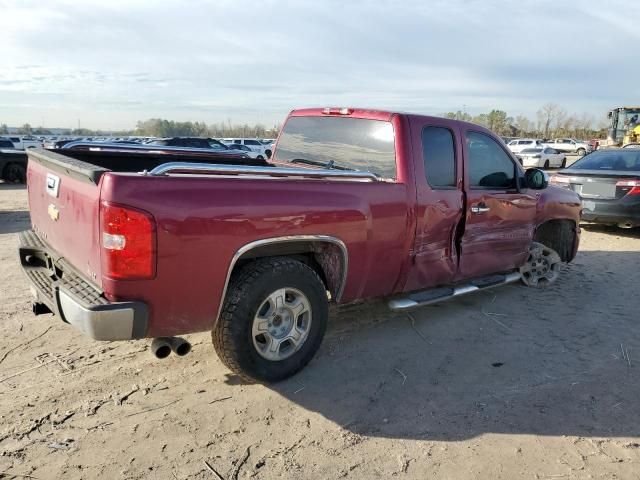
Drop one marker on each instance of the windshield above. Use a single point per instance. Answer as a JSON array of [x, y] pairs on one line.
[[614, 160], [339, 142], [531, 150]]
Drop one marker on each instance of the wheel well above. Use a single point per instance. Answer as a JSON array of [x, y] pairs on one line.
[[327, 259], [559, 235]]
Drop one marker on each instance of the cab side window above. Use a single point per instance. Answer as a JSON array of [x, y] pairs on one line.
[[439, 157], [489, 165]]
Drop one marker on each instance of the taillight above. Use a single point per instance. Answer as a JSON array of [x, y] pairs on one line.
[[629, 187], [337, 111], [128, 238]]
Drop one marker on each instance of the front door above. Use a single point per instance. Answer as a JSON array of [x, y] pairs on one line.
[[499, 216]]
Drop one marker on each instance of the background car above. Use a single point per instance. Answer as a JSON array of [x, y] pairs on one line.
[[569, 145], [542, 157], [253, 143], [608, 182], [246, 150], [516, 146], [6, 144], [189, 142]]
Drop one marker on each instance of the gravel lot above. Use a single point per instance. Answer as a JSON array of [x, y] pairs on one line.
[[507, 384]]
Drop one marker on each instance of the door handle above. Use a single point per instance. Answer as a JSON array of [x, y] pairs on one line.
[[479, 208]]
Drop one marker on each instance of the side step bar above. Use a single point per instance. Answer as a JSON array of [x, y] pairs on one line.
[[435, 295]]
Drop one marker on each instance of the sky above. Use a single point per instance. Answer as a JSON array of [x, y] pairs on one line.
[[110, 63]]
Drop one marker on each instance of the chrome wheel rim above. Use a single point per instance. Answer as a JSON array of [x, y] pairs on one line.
[[281, 324], [542, 266]]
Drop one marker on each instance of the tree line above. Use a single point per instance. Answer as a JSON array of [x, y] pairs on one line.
[[158, 127], [551, 121]]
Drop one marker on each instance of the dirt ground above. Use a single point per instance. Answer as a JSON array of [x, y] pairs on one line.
[[506, 384]]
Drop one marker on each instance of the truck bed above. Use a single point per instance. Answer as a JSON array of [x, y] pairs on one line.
[[90, 165]]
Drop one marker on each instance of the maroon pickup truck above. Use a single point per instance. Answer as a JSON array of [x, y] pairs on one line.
[[354, 204]]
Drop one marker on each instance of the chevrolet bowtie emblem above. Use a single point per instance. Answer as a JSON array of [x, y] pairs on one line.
[[54, 213]]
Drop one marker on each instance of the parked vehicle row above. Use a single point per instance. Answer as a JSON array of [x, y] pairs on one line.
[[354, 204], [561, 145], [22, 143]]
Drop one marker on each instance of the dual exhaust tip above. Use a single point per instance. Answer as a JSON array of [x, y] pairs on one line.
[[162, 347]]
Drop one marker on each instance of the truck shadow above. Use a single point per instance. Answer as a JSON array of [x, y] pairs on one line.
[[14, 221], [559, 361]]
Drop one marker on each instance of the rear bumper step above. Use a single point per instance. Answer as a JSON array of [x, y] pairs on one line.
[[435, 295], [59, 289]]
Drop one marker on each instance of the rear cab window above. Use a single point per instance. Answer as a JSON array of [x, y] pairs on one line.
[[341, 143], [438, 152]]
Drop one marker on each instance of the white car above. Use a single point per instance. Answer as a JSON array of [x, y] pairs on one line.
[[542, 157], [569, 145], [246, 150], [252, 143], [22, 143], [519, 144]]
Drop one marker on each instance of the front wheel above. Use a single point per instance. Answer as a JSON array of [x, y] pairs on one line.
[[546, 164], [564, 163], [542, 266], [581, 152], [273, 319]]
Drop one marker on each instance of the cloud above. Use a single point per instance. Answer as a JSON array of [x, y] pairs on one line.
[[112, 63]]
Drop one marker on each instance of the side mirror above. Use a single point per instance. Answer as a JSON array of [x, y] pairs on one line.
[[536, 179]]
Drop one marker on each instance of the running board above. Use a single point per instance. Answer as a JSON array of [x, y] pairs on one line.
[[435, 295]]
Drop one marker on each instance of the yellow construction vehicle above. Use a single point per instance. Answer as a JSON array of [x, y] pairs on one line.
[[624, 126]]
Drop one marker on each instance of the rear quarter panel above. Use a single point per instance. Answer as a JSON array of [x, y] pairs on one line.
[[203, 221]]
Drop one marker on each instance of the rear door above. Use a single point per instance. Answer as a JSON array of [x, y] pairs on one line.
[[437, 153], [499, 216]]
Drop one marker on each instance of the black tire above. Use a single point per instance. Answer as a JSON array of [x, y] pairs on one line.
[[14, 173], [260, 157], [564, 163], [546, 164], [268, 153], [581, 152], [248, 289]]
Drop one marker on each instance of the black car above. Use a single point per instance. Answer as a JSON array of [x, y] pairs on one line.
[[608, 182], [189, 142]]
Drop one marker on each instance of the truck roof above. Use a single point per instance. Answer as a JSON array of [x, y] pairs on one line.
[[373, 114]]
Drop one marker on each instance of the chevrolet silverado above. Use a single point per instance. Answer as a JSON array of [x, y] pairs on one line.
[[354, 204]]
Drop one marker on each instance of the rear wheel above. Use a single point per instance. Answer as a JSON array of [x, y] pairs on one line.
[[260, 157], [14, 173], [273, 319], [546, 164], [564, 163], [581, 151], [542, 266]]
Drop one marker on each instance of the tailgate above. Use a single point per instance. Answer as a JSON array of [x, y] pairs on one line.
[[64, 206]]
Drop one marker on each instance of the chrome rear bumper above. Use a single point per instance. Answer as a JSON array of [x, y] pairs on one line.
[[65, 293]]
